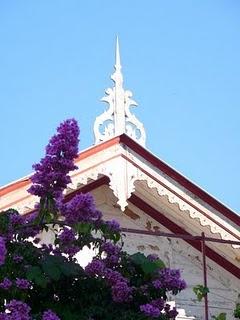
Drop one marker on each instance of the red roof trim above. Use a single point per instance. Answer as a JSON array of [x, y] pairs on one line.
[[13, 186], [228, 213], [173, 227], [97, 148], [181, 197], [87, 188], [82, 155]]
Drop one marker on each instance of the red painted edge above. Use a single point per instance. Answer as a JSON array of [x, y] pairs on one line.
[[82, 155], [87, 188], [97, 148], [84, 189], [228, 213], [173, 227], [13, 186], [124, 139]]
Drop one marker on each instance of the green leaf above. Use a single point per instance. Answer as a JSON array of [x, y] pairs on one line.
[[147, 266], [34, 272], [51, 268], [70, 269], [221, 316], [36, 275], [68, 315], [138, 258], [84, 228], [200, 291], [160, 264], [103, 228], [113, 236], [237, 311]]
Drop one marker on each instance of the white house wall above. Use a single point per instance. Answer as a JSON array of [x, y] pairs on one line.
[[176, 253], [172, 211]]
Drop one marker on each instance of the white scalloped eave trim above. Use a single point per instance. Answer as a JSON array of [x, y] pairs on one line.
[[118, 189], [183, 206]]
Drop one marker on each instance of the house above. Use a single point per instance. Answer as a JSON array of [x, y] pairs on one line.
[[160, 210]]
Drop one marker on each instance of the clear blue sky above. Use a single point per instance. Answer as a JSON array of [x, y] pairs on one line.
[[181, 59]]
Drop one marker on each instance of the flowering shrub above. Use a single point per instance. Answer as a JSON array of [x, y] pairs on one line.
[[45, 281]]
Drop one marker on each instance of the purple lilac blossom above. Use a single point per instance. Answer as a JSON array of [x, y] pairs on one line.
[[67, 235], [112, 260], [71, 250], [36, 240], [110, 248], [149, 310], [3, 251], [171, 313], [121, 292], [23, 284], [112, 252], [51, 174], [50, 315], [30, 231], [6, 284], [170, 279], [152, 257], [157, 284], [15, 219], [114, 277], [95, 267], [159, 303], [113, 225], [81, 208], [17, 258], [47, 248], [18, 310], [29, 218], [57, 252], [8, 236]]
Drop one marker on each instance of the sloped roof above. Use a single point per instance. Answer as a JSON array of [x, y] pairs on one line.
[[155, 161], [138, 177]]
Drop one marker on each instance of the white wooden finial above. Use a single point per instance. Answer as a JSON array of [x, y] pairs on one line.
[[118, 119], [118, 60]]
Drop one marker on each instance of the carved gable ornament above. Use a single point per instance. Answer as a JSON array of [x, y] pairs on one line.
[[118, 119]]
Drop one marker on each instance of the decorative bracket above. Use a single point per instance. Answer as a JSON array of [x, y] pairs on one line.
[[118, 119]]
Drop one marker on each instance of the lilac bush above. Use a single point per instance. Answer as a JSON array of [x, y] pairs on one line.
[[3, 250], [17, 310], [51, 173], [49, 315], [41, 281]]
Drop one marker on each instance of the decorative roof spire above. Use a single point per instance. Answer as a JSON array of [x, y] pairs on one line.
[[118, 119], [118, 60]]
